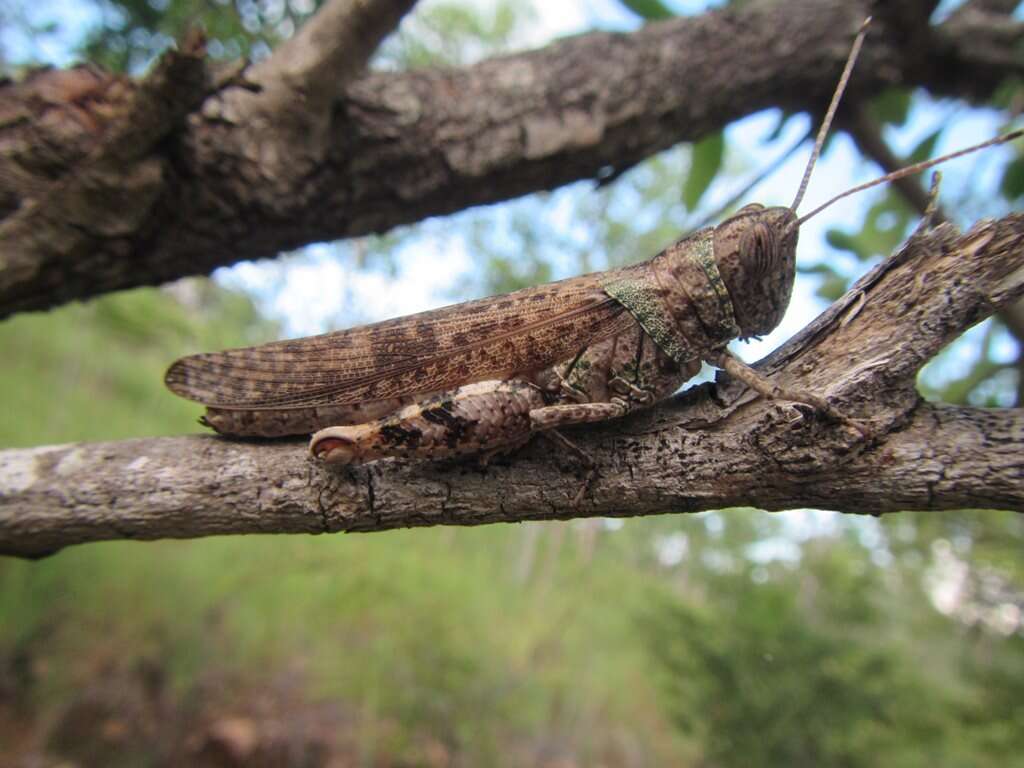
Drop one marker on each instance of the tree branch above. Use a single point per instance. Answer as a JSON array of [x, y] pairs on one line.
[[284, 121], [977, 38], [328, 51], [868, 138], [715, 446], [106, 197], [235, 183]]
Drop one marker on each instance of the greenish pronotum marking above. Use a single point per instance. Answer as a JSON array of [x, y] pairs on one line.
[[643, 302], [704, 255]]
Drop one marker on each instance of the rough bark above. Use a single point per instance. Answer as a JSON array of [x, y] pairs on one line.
[[868, 136], [247, 175], [715, 446]]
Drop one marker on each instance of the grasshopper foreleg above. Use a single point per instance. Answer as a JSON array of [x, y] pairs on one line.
[[564, 378], [628, 388], [739, 370]]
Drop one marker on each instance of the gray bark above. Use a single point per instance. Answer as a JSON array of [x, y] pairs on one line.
[[713, 447], [241, 173]]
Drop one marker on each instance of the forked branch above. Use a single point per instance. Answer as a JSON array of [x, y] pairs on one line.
[[328, 51]]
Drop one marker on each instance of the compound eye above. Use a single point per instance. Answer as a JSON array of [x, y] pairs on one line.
[[759, 247]]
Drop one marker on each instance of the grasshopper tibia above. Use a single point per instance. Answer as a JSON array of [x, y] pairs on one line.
[[561, 440], [741, 371]]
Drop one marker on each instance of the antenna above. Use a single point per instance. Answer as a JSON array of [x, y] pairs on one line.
[[908, 171], [742, 193], [827, 122]]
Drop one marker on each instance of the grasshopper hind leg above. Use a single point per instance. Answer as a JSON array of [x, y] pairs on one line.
[[485, 418]]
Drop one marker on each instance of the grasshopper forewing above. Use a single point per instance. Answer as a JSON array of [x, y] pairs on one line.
[[297, 386]]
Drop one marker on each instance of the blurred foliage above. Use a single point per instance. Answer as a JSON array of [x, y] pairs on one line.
[[134, 32], [112, 350], [761, 683], [649, 10], [451, 33], [891, 106], [807, 665], [705, 163], [1012, 185], [884, 228]]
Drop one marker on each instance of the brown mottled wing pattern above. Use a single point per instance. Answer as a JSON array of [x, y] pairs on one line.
[[491, 338]]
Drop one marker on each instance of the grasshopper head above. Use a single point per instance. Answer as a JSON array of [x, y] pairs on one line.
[[755, 251]]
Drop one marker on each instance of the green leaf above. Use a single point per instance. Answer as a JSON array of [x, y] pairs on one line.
[[885, 224], [892, 106], [831, 288], [1006, 94], [1012, 185], [925, 149], [841, 241], [705, 163], [833, 284], [650, 10]]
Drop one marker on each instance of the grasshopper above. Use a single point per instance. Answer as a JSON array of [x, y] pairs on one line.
[[482, 377]]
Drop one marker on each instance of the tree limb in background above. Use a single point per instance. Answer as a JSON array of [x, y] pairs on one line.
[[284, 123], [869, 141], [105, 205], [328, 52], [236, 184], [107, 196], [716, 446]]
